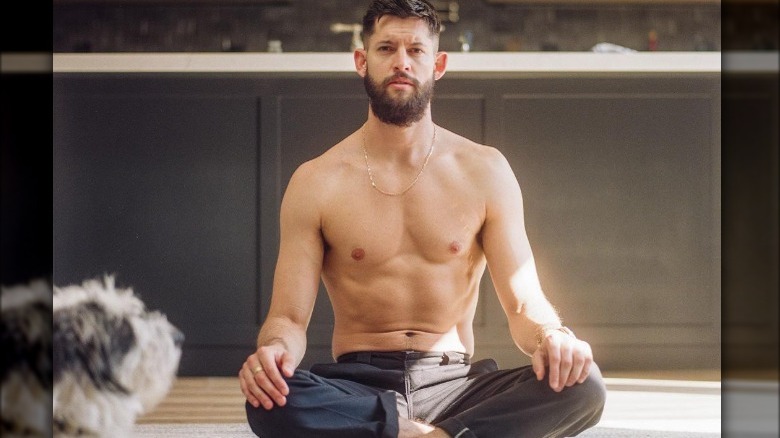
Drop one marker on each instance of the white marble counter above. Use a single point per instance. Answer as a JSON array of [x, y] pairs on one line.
[[466, 63]]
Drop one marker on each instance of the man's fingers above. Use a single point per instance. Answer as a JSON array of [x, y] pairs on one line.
[[554, 364], [585, 354], [287, 365], [275, 376], [576, 371], [566, 368], [585, 370], [538, 364], [254, 394], [268, 380], [263, 374], [261, 380], [263, 398], [249, 397]]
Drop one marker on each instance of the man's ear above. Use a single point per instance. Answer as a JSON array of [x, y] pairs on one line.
[[360, 61], [440, 67]]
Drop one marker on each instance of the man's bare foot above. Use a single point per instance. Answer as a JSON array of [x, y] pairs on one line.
[[437, 433], [414, 429]]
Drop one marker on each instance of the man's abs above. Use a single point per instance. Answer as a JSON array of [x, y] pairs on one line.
[[418, 306], [426, 311]]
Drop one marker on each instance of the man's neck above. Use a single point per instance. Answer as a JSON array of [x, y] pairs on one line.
[[398, 143]]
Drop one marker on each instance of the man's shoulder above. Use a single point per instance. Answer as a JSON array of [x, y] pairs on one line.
[[331, 158], [326, 167], [485, 167], [476, 156]]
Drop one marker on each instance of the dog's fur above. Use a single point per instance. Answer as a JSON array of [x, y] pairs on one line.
[[26, 375], [113, 359]]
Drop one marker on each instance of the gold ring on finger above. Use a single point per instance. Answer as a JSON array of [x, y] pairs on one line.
[[257, 369]]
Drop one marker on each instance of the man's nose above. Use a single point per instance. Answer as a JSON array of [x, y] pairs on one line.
[[401, 61]]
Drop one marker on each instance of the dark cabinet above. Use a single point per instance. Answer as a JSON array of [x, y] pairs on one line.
[[173, 183]]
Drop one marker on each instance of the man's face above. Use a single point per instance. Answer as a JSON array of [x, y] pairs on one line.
[[395, 107], [399, 76]]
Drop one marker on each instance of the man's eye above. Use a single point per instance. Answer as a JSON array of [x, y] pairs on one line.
[[416, 50], [384, 49]]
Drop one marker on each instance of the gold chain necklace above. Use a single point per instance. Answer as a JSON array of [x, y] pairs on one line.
[[371, 173]]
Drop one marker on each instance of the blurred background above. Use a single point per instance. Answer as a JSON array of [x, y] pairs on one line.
[[477, 25], [172, 181]]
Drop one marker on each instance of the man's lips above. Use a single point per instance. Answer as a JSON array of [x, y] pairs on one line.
[[401, 81]]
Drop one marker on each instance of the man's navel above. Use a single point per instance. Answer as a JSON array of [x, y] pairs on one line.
[[409, 344], [358, 254]]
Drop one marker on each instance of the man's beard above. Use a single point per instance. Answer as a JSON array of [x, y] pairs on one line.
[[396, 111]]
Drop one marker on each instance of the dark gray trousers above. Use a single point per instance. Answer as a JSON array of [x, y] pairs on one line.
[[363, 394]]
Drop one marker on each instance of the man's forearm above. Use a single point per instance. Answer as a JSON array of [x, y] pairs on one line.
[[524, 336], [524, 327]]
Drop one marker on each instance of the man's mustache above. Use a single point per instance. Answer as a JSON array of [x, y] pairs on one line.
[[401, 75]]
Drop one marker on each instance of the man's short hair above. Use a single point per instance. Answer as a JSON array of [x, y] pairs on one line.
[[402, 9]]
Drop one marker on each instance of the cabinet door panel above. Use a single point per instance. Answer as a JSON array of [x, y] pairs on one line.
[[617, 192], [162, 192]]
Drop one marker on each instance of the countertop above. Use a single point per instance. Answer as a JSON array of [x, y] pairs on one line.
[[468, 64], [459, 63]]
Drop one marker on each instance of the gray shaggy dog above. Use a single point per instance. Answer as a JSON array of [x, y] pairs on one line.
[[26, 374], [113, 359]]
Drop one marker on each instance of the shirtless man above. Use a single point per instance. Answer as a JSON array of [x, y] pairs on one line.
[[400, 220]]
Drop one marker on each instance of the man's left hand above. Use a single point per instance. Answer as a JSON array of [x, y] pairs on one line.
[[567, 358]]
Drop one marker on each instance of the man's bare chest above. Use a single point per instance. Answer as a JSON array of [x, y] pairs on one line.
[[426, 226]]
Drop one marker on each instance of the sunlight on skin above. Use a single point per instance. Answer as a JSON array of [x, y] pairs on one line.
[[525, 283], [414, 429]]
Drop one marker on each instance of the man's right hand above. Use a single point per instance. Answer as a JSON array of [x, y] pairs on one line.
[[262, 376]]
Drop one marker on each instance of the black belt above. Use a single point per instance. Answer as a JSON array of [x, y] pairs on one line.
[[367, 357]]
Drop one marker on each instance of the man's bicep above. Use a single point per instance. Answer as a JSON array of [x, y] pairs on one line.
[[299, 265], [504, 236], [505, 241]]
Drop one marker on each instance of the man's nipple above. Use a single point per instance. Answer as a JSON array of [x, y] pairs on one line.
[[358, 254], [455, 247]]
